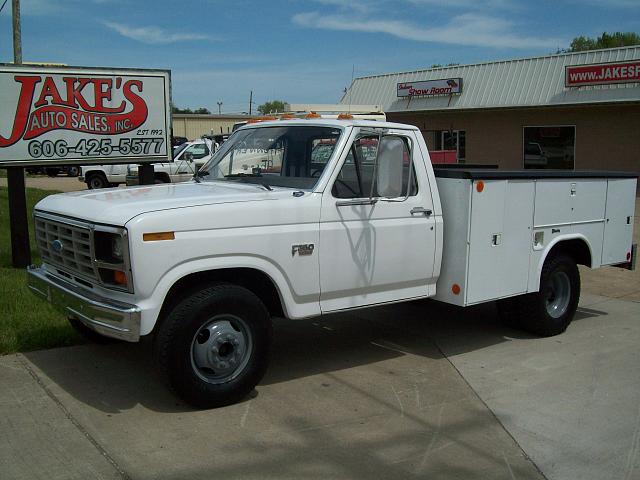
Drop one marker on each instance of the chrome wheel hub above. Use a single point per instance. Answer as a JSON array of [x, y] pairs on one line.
[[221, 348], [558, 294]]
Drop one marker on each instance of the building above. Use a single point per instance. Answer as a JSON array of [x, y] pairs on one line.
[[192, 126], [572, 110]]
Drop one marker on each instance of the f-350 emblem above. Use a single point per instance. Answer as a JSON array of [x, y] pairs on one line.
[[302, 249]]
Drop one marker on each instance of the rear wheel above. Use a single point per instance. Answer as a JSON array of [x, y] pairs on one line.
[[214, 346], [96, 180], [549, 311], [73, 171]]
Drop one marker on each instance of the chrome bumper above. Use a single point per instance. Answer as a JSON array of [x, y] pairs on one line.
[[106, 316]]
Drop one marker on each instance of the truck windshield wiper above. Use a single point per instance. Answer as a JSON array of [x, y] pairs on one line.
[[239, 175], [199, 174]]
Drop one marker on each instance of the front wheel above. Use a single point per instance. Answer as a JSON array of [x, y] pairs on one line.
[[213, 347]]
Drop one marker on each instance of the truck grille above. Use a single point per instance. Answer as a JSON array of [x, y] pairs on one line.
[[66, 245]]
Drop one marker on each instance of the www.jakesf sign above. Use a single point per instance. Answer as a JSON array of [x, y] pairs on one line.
[[445, 86], [601, 74], [80, 115]]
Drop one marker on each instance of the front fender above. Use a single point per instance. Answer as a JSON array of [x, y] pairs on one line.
[[293, 305]]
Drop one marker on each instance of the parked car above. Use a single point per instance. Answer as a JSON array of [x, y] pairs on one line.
[[187, 159], [103, 176]]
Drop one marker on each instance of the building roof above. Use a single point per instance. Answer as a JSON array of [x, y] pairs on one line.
[[214, 116], [524, 82]]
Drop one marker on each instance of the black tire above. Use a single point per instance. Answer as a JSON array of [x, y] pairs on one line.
[[52, 172], [96, 180], [179, 333], [88, 334], [545, 313], [73, 171]]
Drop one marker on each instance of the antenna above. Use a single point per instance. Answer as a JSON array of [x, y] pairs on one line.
[[353, 71]]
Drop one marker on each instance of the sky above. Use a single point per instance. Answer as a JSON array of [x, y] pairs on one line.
[[299, 51]]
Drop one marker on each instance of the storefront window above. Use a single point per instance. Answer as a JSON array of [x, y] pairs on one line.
[[549, 147], [453, 140]]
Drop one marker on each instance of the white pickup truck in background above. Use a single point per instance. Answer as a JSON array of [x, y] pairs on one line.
[[299, 218], [180, 170]]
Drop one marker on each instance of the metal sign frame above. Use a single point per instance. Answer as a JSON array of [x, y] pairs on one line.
[[84, 115]]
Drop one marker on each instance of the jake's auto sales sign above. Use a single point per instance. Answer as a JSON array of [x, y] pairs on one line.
[[83, 115]]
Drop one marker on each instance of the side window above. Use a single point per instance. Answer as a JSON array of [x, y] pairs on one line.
[[198, 151], [357, 173]]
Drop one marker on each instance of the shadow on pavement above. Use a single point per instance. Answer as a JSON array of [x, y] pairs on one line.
[[119, 376]]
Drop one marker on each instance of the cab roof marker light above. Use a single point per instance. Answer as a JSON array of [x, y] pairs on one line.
[[313, 115], [156, 236]]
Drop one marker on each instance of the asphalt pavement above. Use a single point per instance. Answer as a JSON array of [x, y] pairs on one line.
[[419, 390]]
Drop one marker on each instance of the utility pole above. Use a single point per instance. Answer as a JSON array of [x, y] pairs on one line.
[[219, 107], [20, 248], [250, 101]]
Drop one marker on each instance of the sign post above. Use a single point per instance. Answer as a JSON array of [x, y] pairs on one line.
[[19, 224]]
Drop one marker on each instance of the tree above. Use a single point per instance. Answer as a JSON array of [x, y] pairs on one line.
[[606, 40], [199, 111], [271, 107]]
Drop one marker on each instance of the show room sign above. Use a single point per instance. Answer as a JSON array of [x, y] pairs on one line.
[[601, 74], [446, 86], [83, 115]]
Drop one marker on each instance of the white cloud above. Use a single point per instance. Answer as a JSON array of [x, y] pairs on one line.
[[153, 35], [466, 29]]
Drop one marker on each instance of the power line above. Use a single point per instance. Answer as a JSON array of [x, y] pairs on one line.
[[2, 7]]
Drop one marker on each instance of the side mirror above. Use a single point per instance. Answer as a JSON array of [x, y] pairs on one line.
[[188, 156], [389, 168]]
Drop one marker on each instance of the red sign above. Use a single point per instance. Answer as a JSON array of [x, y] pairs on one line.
[[601, 74]]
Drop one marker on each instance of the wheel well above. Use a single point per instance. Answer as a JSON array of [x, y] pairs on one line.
[[253, 280], [163, 176], [575, 248], [93, 173]]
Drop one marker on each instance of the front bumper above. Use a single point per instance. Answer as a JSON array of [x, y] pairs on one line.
[[104, 315], [132, 180]]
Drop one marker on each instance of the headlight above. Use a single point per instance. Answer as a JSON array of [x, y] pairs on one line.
[[117, 248], [111, 253]]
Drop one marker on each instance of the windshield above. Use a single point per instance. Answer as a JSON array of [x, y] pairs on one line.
[[288, 156]]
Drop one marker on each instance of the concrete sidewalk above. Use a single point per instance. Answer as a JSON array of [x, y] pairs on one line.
[[363, 395], [345, 397]]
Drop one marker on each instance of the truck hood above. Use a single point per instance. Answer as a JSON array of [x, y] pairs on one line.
[[116, 206]]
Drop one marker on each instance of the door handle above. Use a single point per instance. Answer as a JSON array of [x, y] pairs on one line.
[[424, 211]]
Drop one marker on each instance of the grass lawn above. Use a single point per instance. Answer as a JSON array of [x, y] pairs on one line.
[[26, 323]]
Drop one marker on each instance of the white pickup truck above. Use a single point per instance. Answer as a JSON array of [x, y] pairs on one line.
[[275, 225], [181, 169]]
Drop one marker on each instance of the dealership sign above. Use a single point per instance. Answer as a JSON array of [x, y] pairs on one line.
[[445, 86], [600, 74], [82, 115]]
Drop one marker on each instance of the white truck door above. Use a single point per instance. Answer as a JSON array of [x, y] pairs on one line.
[[376, 251]]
